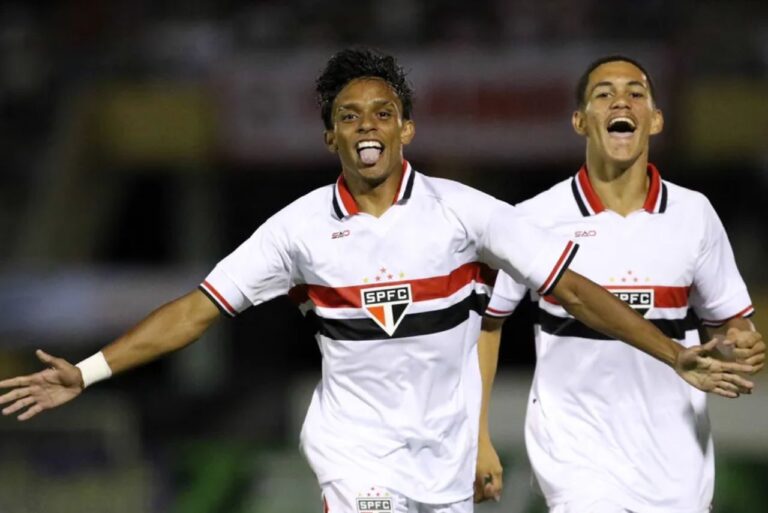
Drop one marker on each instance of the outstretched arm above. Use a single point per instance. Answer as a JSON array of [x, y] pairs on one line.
[[488, 471], [600, 310], [169, 328]]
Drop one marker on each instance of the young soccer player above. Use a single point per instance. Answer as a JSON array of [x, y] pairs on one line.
[[609, 429]]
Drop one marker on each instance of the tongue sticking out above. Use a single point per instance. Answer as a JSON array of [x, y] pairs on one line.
[[369, 155]]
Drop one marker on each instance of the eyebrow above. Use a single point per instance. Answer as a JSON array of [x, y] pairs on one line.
[[610, 84], [377, 103]]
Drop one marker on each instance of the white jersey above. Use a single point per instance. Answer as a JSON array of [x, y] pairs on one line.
[[397, 301], [604, 419]]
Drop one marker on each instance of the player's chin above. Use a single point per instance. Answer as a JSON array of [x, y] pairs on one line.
[[374, 174]]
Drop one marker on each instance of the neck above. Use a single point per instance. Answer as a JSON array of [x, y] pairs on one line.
[[375, 197], [621, 187]]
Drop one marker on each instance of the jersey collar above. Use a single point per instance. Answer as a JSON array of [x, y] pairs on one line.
[[589, 202], [344, 203]]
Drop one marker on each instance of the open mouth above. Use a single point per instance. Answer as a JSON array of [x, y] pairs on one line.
[[621, 126], [369, 151]]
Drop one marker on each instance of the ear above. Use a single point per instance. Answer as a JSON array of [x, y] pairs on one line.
[[657, 122], [579, 122], [408, 132], [330, 141]]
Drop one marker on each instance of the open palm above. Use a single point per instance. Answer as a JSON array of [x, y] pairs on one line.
[[59, 383]]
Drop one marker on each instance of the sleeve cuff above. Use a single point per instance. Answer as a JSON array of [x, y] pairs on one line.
[[557, 271], [223, 293], [713, 323]]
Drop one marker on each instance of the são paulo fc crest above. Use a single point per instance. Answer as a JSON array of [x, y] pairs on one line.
[[387, 305], [639, 299], [375, 500]]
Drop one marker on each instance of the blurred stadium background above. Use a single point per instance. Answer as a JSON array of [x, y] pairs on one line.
[[143, 140]]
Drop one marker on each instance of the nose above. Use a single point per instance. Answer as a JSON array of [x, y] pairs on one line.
[[620, 101], [367, 123]]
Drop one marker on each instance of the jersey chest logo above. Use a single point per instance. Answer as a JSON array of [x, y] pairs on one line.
[[639, 299], [387, 305], [374, 505]]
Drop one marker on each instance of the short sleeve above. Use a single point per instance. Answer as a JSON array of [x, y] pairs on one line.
[[257, 271], [507, 294], [718, 293], [531, 255]]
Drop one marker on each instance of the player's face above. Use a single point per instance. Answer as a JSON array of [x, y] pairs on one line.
[[619, 115], [369, 131]]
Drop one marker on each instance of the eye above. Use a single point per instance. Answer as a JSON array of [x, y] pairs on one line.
[[602, 94], [347, 116], [385, 114], [637, 95]]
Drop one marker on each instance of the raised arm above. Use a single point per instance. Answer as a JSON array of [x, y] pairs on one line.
[[169, 328], [600, 310]]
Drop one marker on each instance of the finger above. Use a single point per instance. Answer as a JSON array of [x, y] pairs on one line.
[[499, 486], [731, 367], [18, 405], [756, 360], [31, 412], [749, 349], [50, 361], [725, 393], [744, 384], [479, 490], [19, 381], [748, 339], [14, 394], [708, 347], [744, 353], [731, 387]]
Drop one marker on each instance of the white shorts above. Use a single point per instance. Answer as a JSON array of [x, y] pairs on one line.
[[589, 506], [345, 497]]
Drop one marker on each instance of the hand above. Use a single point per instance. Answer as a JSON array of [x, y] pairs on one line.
[[696, 366], [743, 346], [488, 481], [59, 383]]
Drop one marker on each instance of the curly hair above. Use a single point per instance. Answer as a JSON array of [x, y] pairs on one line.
[[581, 86], [352, 63]]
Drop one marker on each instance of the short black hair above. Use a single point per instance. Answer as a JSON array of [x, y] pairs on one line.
[[581, 86], [352, 63]]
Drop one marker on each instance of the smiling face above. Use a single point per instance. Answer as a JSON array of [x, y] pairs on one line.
[[618, 115], [369, 132]]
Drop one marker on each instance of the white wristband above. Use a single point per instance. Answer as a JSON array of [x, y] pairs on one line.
[[94, 369]]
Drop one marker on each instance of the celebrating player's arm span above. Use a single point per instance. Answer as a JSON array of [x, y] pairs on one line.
[[391, 412], [663, 250]]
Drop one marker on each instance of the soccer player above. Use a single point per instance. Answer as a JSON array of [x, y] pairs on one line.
[[609, 429], [395, 269]]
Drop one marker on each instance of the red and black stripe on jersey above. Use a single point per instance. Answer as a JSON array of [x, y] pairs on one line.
[[669, 297], [320, 298]]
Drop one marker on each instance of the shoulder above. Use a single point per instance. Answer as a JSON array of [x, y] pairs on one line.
[[554, 203], [451, 191], [302, 214], [687, 201], [308, 206]]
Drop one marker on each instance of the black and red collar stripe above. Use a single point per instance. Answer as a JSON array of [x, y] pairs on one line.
[[589, 202], [344, 204]]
